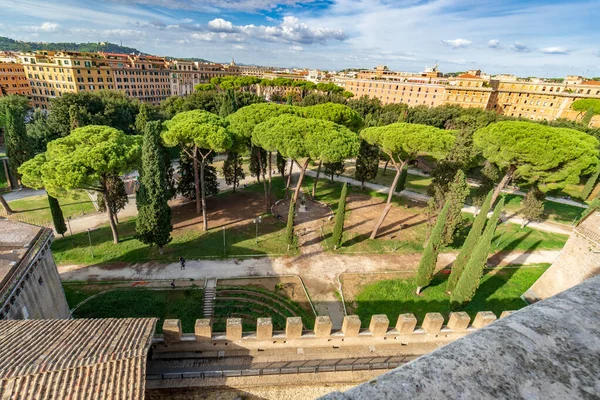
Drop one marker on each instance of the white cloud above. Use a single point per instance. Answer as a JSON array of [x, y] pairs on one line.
[[457, 43], [520, 47], [494, 44], [220, 25], [47, 27], [555, 50], [214, 5], [297, 48], [239, 47], [114, 34]]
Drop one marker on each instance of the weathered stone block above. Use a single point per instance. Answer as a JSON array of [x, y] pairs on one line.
[[234, 329], [293, 327], [351, 326], [203, 329], [322, 326], [506, 313], [459, 321], [483, 318], [433, 322], [264, 328], [172, 330], [379, 325], [406, 323]]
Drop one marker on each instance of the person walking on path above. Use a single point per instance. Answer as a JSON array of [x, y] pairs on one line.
[[173, 284], [182, 262]]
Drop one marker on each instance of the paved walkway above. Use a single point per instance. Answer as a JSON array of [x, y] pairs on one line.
[[542, 226]]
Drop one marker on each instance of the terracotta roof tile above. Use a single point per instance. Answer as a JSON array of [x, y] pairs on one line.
[[80, 358], [591, 83], [468, 76]]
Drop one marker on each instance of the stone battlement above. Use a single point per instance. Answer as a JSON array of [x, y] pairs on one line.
[[433, 331]]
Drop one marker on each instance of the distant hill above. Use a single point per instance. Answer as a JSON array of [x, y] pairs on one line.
[[8, 44]]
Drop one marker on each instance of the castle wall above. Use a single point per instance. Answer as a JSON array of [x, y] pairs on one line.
[[37, 293], [578, 261]]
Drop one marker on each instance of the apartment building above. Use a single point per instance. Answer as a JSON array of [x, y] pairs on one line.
[[533, 99], [12, 76], [254, 70], [185, 75]]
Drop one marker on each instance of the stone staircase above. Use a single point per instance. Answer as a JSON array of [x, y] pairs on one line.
[[210, 292]]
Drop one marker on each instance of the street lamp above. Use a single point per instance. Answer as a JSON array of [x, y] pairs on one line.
[[256, 222]]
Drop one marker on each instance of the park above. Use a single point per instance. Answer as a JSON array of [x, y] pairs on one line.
[[298, 210]]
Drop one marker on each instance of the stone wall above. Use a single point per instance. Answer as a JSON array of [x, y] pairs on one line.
[[295, 342], [37, 292], [578, 261]]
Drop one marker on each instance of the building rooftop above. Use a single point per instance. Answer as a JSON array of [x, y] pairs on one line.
[[468, 76], [76, 359], [548, 350]]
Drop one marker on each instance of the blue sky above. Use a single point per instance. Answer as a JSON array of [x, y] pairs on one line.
[[528, 38]]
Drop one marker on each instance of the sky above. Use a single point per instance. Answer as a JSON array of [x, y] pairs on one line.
[[549, 38]]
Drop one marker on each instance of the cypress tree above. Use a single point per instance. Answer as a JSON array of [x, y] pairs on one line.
[[57, 216], [472, 238], [232, 169], [471, 277], [533, 205], [458, 190], [229, 105], [289, 230], [338, 228], [429, 259], [19, 147], [402, 180], [281, 163], [153, 224], [367, 162], [590, 184]]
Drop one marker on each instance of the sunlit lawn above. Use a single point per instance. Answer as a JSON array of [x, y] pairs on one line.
[[500, 290], [183, 304], [36, 208], [557, 212]]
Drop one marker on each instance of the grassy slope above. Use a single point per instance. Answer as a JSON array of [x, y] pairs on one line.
[[500, 290]]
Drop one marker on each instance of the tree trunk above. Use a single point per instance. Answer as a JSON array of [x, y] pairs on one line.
[[388, 204], [300, 179], [5, 205], [161, 250], [7, 174], [113, 225], [316, 179], [196, 180], [270, 179], [203, 195], [289, 181], [362, 185], [261, 170], [505, 179], [235, 169], [385, 167]]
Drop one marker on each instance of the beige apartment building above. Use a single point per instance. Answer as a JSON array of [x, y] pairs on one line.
[[505, 94], [12, 76], [185, 75]]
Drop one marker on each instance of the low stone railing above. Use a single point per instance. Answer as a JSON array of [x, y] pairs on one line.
[[431, 330]]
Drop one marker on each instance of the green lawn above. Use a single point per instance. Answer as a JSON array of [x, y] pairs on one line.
[[36, 208], [183, 304], [556, 212], [500, 290], [3, 182]]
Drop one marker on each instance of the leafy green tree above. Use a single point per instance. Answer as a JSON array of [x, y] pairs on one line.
[[57, 216], [115, 196], [103, 107], [590, 184], [229, 105], [430, 255], [587, 117], [585, 104], [338, 228], [470, 242], [367, 163], [86, 159], [471, 277], [312, 99], [19, 147], [204, 87], [308, 138], [38, 131], [289, 230], [366, 106], [334, 169], [530, 152], [402, 143], [205, 133], [153, 224], [533, 205], [456, 196], [232, 169]]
